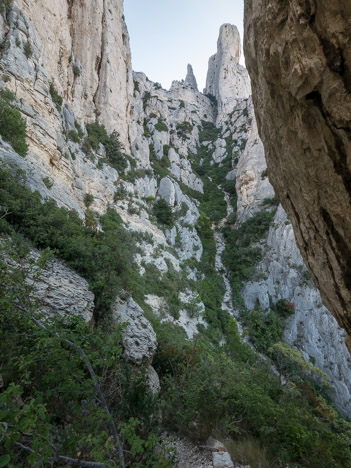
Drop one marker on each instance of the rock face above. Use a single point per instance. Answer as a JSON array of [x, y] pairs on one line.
[[299, 58], [84, 49], [57, 289], [227, 80]]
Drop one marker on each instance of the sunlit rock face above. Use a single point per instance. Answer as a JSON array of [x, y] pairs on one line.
[[84, 49], [227, 80], [299, 58]]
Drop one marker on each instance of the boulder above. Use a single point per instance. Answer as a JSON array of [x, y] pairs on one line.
[[138, 337]]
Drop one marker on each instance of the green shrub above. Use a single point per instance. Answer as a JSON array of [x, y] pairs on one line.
[[5, 6], [27, 49], [12, 125], [88, 199], [136, 86], [184, 128], [241, 255], [208, 132], [105, 260], [163, 212], [79, 129], [48, 399], [48, 182], [18, 42], [265, 329], [56, 98], [73, 136], [161, 126], [166, 149], [97, 134]]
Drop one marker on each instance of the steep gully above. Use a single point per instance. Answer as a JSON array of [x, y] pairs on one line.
[[227, 303]]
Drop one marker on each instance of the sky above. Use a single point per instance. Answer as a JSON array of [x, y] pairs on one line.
[[166, 35]]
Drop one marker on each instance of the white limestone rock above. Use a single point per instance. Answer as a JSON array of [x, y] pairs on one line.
[[222, 460], [227, 80], [251, 187], [190, 79], [138, 337], [57, 289], [64, 32]]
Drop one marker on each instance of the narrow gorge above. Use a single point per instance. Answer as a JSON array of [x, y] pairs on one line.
[[155, 308]]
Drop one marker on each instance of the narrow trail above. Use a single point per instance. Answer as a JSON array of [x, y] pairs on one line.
[[227, 302]]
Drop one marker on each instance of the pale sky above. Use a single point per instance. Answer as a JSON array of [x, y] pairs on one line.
[[166, 35]]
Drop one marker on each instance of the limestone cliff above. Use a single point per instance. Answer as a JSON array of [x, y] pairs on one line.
[[84, 49], [299, 59]]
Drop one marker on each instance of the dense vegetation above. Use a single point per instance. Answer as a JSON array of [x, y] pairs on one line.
[[50, 408], [242, 253], [104, 258], [12, 125]]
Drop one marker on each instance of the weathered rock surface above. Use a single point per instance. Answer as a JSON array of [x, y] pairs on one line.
[[222, 460], [57, 289], [84, 49], [60, 290], [299, 58], [138, 337], [227, 80]]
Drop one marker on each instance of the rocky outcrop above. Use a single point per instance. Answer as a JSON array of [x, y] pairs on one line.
[[138, 337], [190, 79], [299, 58], [227, 80], [55, 288]]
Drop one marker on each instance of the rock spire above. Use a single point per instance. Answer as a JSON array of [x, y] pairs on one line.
[[227, 80], [190, 78]]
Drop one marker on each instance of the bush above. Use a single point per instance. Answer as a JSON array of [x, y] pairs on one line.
[[241, 255], [73, 136], [48, 398], [5, 6], [184, 128], [88, 199], [208, 132], [27, 49], [12, 125], [136, 86], [56, 98], [48, 182], [163, 212], [97, 134], [105, 259], [161, 126], [265, 329]]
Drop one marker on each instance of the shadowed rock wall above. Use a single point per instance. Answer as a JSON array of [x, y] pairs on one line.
[[298, 55]]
